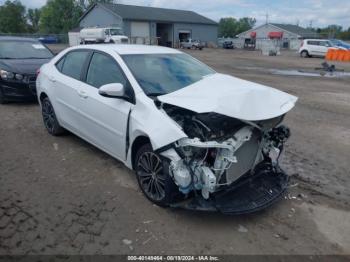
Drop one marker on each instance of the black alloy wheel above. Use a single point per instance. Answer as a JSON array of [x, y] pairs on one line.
[[49, 118], [153, 177]]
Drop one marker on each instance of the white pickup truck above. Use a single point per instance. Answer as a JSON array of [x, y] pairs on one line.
[[103, 35]]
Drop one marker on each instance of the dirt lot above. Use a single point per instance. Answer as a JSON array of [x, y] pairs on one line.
[[63, 196]]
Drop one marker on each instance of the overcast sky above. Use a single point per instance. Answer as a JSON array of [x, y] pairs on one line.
[[320, 12]]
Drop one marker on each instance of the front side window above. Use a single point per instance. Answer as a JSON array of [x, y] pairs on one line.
[[74, 63], [23, 50], [325, 43], [165, 73], [104, 70], [116, 31]]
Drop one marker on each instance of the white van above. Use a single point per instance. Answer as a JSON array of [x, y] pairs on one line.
[[103, 35], [314, 47]]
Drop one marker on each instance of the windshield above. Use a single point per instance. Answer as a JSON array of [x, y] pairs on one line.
[[160, 74], [335, 42], [116, 31], [23, 50]]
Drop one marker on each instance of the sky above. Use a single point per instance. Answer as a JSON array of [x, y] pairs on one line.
[[303, 12]]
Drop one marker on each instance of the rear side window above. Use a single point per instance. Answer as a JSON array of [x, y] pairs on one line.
[[104, 70], [59, 65], [73, 64]]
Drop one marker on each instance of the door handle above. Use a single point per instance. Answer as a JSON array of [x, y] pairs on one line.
[[82, 94]]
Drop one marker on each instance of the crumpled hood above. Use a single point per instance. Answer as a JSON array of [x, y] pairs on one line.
[[22, 66], [233, 97]]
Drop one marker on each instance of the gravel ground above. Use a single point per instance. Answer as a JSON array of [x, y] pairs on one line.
[[60, 195]]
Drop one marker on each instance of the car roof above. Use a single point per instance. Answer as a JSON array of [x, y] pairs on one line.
[[15, 38], [129, 49]]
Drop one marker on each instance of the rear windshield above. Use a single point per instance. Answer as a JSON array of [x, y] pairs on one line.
[[23, 50]]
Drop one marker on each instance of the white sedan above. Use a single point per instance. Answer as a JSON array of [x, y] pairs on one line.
[[196, 139]]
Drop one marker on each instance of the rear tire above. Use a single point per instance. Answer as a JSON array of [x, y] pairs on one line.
[[49, 118], [304, 54], [152, 171]]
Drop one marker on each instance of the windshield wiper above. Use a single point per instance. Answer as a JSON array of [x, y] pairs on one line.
[[155, 94], [35, 58]]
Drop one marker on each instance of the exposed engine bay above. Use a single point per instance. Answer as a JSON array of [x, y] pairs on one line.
[[219, 150]]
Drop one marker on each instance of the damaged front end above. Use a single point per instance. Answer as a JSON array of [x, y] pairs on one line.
[[226, 164]]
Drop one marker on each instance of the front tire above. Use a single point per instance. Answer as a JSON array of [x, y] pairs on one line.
[[2, 97], [153, 177], [49, 118]]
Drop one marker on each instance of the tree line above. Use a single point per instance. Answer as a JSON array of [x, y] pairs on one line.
[[59, 16]]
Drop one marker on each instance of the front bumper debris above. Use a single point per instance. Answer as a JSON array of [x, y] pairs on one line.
[[251, 193]]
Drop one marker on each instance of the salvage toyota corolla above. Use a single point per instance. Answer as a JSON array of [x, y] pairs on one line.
[[196, 139]]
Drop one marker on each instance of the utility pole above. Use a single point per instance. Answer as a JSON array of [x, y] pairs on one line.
[[267, 17]]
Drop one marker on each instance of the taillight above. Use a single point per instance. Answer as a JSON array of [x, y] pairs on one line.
[[302, 43], [37, 72]]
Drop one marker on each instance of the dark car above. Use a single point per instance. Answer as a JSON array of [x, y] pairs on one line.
[[20, 58], [48, 39], [228, 45]]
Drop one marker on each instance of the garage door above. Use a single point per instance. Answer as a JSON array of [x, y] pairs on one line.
[[140, 29]]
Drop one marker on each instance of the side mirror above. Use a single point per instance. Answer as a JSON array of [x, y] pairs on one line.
[[114, 90]]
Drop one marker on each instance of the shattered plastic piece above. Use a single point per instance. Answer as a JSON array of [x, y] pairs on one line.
[[301, 195], [242, 229], [127, 242], [294, 185], [147, 240]]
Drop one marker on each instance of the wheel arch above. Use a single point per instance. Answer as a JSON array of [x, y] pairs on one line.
[[42, 96], [136, 145]]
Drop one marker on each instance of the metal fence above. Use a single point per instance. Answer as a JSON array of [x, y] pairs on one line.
[[61, 38]]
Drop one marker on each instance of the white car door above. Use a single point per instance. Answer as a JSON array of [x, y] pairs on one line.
[[66, 83], [103, 120], [323, 47], [312, 47]]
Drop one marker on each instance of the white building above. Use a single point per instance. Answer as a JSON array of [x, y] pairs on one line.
[[288, 35]]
